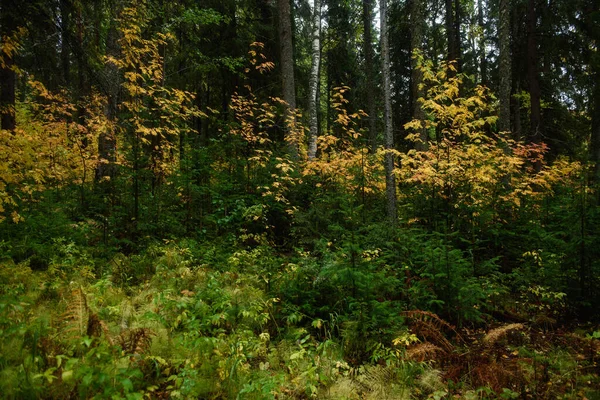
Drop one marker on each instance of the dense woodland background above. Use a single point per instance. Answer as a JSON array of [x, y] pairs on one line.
[[336, 199]]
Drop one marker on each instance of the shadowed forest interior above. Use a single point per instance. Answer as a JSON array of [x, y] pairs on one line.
[[292, 199]]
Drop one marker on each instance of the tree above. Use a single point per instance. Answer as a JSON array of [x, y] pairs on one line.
[[590, 25], [453, 31], [110, 83], [287, 71], [483, 65], [535, 120], [390, 180], [9, 12], [313, 92], [505, 71], [417, 20], [367, 7]]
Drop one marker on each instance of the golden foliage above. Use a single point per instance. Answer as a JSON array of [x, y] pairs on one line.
[[157, 112], [342, 160], [464, 163], [10, 46], [49, 148], [252, 120]]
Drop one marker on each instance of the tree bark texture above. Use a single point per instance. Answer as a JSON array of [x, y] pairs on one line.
[[313, 84], [287, 71], [390, 180], [535, 128], [370, 72], [417, 19], [595, 111], [483, 67], [107, 140], [452, 23], [504, 66], [65, 51], [8, 77], [457, 41]]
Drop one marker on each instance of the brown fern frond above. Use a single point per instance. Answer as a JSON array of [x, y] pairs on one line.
[[430, 327], [136, 341], [76, 316], [107, 334], [493, 374], [432, 334], [426, 316], [96, 327], [424, 352], [496, 334]]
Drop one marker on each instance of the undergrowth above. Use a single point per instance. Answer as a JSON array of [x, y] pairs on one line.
[[169, 323]]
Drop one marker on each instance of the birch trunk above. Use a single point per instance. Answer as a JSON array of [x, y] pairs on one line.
[[314, 81]]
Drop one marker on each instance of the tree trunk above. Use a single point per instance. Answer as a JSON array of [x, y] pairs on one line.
[[482, 55], [313, 84], [287, 72], [107, 140], [8, 77], [369, 73], [417, 19], [504, 66], [457, 41], [535, 128], [453, 32], [595, 111], [390, 181], [65, 18]]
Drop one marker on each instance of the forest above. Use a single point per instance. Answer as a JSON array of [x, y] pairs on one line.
[[294, 199]]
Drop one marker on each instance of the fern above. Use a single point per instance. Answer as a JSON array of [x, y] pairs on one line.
[[424, 351], [375, 381], [496, 334], [431, 328], [96, 327], [135, 341], [76, 317]]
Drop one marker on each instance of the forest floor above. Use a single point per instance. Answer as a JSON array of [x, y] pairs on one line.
[[173, 323]]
